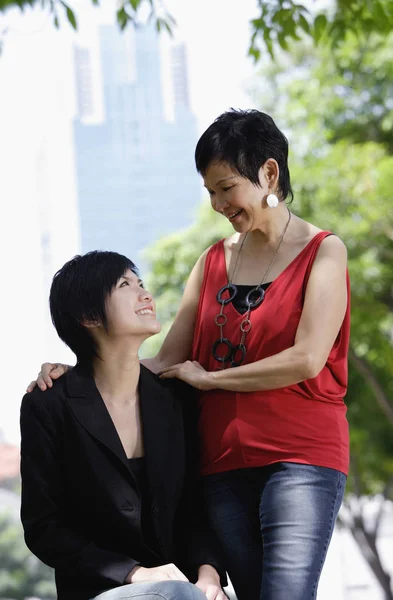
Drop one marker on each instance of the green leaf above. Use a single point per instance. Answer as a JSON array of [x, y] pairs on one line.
[[320, 24], [56, 22], [71, 18], [381, 16], [281, 38], [122, 18], [304, 24], [168, 27], [135, 4], [70, 15], [255, 53]]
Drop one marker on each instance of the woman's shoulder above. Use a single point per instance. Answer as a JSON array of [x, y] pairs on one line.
[[322, 243], [306, 232]]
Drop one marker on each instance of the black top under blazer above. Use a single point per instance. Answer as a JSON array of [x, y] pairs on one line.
[[81, 508]]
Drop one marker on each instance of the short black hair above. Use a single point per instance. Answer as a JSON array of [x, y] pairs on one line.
[[78, 293], [245, 140]]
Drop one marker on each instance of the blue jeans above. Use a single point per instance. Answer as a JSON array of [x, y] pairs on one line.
[[161, 590], [275, 524]]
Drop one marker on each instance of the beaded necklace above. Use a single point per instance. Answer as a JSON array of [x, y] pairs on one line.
[[236, 353]]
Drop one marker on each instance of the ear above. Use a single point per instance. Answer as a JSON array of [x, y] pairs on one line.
[[270, 171], [90, 324]]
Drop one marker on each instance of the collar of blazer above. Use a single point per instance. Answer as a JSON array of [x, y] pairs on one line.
[[157, 400]]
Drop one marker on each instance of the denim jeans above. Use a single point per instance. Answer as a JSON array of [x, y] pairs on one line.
[[275, 524], [161, 590]]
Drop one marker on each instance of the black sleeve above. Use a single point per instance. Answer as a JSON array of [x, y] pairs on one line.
[[197, 542], [47, 533]]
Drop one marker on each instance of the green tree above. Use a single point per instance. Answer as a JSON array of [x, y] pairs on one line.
[[21, 574], [277, 22]]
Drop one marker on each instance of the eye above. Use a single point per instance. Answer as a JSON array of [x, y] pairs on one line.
[[124, 283], [211, 193], [226, 189]]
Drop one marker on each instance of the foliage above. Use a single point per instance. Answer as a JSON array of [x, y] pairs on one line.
[[277, 23], [127, 13], [283, 21], [22, 575]]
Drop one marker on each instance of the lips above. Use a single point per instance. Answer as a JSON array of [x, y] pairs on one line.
[[146, 310], [232, 216]]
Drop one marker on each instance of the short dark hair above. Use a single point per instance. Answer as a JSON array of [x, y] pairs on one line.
[[78, 293], [245, 139]]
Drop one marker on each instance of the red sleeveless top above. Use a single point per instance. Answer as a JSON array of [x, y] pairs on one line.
[[303, 423]]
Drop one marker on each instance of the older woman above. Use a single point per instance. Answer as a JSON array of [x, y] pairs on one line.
[[262, 331]]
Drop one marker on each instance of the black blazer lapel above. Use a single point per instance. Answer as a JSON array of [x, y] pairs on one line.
[[157, 407], [89, 408]]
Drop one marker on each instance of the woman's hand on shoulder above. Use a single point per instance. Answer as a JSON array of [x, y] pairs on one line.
[[190, 372], [49, 372]]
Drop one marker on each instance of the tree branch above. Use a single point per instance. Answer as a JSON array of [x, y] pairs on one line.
[[381, 397]]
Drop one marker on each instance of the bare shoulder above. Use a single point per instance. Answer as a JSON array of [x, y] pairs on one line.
[[332, 246], [199, 266]]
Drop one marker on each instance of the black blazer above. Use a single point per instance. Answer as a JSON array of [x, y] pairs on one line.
[[81, 508]]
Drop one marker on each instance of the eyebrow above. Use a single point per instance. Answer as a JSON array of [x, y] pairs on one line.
[[224, 179]]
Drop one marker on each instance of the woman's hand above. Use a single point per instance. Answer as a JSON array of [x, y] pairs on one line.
[[162, 573], [209, 583], [191, 372], [49, 372]]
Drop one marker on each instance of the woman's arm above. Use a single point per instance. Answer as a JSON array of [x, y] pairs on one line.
[[322, 316], [178, 341]]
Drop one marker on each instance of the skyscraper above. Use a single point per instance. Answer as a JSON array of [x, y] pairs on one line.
[[135, 172]]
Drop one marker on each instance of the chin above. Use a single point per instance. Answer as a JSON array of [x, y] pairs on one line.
[[155, 328]]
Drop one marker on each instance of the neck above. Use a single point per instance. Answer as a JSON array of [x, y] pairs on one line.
[[116, 373], [270, 230]]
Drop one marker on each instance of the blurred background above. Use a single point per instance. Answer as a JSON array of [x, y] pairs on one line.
[[97, 132]]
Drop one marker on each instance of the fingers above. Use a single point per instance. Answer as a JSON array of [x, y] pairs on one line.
[[211, 589], [213, 592], [171, 368], [47, 370], [170, 374], [31, 386]]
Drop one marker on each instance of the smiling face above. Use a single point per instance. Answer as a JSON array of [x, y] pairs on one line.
[[236, 197], [130, 309]]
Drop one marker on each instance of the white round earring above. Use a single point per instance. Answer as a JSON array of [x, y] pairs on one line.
[[272, 200]]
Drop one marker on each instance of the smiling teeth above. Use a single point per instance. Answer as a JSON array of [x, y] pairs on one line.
[[145, 311], [234, 214]]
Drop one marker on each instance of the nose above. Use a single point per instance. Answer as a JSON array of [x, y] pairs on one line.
[[145, 296], [220, 204]]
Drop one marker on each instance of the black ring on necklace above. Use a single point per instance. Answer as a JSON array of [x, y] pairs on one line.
[[229, 353], [231, 288], [239, 348], [259, 292]]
